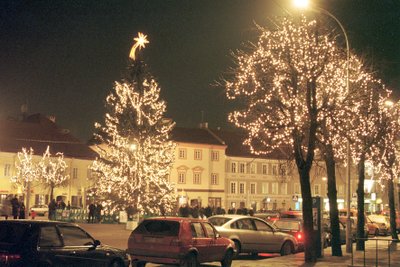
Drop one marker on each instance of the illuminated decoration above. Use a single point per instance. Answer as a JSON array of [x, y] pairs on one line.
[[27, 169], [133, 167], [52, 170], [140, 42]]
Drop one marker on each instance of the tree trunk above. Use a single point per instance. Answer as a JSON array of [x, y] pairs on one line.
[[51, 192], [309, 239], [360, 204], [393, 228], [333, 207]]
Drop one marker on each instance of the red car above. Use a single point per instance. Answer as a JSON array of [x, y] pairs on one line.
[[175, 240]]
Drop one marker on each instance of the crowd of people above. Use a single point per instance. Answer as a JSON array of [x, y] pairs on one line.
[[12, 207]]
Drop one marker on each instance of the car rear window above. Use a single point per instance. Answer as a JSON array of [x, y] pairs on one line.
[[219, 221], [156, 227], [12, 233], [289, 225]]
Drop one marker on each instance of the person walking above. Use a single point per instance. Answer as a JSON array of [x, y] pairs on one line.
[[52, 209], [15, 206], [22, 210], [92, 209], [99, 208]]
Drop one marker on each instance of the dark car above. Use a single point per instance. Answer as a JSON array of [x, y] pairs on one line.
[[176, 240], [268, 216], [50, 243]]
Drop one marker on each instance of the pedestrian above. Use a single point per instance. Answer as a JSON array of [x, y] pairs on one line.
[[15, 206], [52, 209], [62, 205], [22, 210], [7, 207], [92, 209], [68, 206], [98, 210]]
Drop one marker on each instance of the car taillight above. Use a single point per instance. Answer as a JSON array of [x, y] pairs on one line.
[[299, 236], [176, 242], [7, 257]]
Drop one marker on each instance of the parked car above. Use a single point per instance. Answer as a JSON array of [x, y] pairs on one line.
[[342, 230], [253, 235], [175, 240], [378, 225], [40, 209], [268, 216], [292, 214], [292, 226], [50, 243], [387, 214]]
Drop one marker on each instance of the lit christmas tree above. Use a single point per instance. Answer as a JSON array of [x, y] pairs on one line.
[[52, 171], [284, 89], [137, 155]]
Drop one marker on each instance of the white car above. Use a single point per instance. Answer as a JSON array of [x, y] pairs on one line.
[[40, 210]]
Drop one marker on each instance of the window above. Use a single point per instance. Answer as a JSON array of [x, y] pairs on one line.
[[242, 167], [197, 178], [214, 178], [282, 169], [253, 188], [75, 173], [209, 230], [49, 237], [214, 155], [264, 188], [182, 153], [275, 189], [197, 230], [181, 177], [252, 168], [242, 188], [233, 188], [74, 236], [296, 189], [261, 226], [233, 167], [197, 154], [264, 169], [317, 189], [274, 169], [89, 173], [284, 188], [7, 169]]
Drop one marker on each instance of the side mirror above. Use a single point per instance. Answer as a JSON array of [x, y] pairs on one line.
[[96, 243], [217, 235]]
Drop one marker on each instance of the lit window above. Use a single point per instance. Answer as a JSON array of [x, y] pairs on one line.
[[7, 169], [214, 155], [252, 188], [242, 188], [214, 178], [182, 153], [242, 168], [317, 189], [197, 154], [197, 178], [181, 177], [233, 188], [75, 173]]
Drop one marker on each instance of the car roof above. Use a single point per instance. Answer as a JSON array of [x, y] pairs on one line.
[[35, 222], [233, 216], [176, 219]]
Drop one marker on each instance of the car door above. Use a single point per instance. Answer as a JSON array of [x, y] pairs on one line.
[[265, 237], [247, 235], [201, 242], [50, 246], [217, 247], [80, 247]]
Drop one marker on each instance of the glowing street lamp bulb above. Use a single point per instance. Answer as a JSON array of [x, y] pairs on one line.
[[301, 3]]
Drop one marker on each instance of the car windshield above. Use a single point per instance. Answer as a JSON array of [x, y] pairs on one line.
[[156, 227], [287, 225], [378, 219], [12, 233], [219, 221]]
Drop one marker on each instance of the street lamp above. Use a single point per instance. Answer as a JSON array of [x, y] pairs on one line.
[[305, 4]]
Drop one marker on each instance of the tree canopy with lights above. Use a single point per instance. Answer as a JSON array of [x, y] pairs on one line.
[[284, 88], [135, 152]]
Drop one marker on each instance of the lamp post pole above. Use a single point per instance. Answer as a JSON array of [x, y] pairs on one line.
[[303, 4]]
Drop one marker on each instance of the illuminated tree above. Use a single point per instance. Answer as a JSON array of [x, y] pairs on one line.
[[283, 89], [365, 131], [51, 171], [137, 155], [386, 157]]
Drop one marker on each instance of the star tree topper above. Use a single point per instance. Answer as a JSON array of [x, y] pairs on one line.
[[140, 42]]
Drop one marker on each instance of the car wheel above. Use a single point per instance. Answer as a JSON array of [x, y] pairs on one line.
[[238, 248], [190, 261], [227, 261], [286, 248], [117, 263]]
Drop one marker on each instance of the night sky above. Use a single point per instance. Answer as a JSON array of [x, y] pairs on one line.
[[62, 57]]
